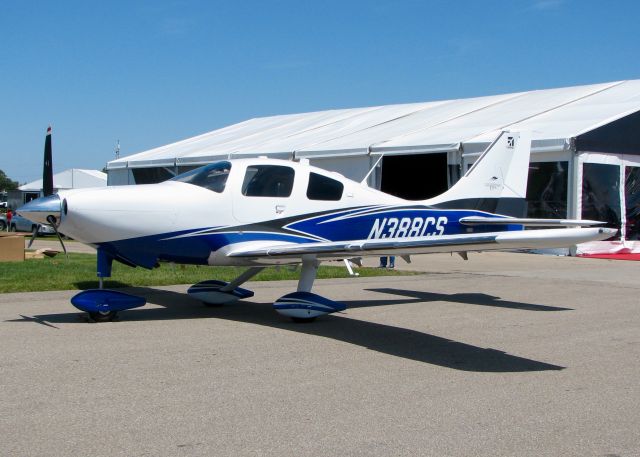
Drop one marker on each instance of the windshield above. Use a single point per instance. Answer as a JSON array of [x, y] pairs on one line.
[[212, 177]]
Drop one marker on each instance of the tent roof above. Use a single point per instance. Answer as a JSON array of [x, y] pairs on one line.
[[554, 116], [73, 178]]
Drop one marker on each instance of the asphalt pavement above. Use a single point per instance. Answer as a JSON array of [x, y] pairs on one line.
[[501, 355]]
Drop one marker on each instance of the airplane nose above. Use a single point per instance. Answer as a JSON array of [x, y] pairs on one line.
[[42, 209]]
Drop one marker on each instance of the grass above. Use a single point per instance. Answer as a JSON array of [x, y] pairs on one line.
[[79, 272]]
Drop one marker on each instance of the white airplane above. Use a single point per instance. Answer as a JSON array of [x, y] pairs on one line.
[[263, 212]]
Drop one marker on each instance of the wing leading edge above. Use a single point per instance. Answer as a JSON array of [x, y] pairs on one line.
[[529, 239]]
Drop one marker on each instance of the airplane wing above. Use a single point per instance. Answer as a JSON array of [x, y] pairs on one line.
[[529, 239], [479, 220]]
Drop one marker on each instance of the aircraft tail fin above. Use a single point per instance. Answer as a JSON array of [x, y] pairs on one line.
[[497, 181]]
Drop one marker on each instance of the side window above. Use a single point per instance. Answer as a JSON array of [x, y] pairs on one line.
[[323, 188], [268, 181]]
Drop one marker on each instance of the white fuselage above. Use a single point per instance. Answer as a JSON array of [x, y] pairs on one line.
[[123, 212]]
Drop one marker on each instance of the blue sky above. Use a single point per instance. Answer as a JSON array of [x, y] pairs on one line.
[[152, 72]]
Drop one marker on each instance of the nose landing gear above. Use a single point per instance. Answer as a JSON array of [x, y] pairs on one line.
[[101, 304]]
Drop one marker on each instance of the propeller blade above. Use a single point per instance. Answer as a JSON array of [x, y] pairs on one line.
[[52, 221], [47, 172], [61, 242], [33, 236]]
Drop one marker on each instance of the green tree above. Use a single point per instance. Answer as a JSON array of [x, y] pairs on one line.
[[6, 183]]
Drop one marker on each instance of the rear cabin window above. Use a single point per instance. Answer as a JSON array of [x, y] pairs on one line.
[[323, 188], [268, 181], [212, 177]]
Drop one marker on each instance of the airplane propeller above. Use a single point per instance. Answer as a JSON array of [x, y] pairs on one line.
[[47, 187], [49, 203], [33, 235]]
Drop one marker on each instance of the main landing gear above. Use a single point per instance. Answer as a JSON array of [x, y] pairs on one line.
[[218, 293], [300, 306], [303, 305]]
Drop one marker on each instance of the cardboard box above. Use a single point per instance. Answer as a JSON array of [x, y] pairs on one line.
[[11, 247]]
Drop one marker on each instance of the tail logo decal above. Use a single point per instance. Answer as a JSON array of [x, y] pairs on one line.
[[494, 183]]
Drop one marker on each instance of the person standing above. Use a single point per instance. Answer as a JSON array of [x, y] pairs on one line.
[[383, 262], [9, 217]]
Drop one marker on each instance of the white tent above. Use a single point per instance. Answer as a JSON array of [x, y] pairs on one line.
[[74, 178], [554, 115]]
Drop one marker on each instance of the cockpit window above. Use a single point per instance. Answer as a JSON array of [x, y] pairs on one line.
[[324, 188], [268, 181], [212, 177]]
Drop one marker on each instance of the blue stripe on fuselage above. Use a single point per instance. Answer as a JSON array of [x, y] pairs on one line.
[[195, 246], [385, 222], [146, 251]]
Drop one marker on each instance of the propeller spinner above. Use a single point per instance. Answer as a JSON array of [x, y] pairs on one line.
[[45, 210]]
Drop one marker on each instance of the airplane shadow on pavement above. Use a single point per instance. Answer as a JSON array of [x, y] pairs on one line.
[[468, 299], [400, 342]]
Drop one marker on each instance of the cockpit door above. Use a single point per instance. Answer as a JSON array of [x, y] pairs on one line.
[[264, 193]]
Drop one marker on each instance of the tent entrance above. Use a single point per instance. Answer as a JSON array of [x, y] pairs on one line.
[[414, 177]]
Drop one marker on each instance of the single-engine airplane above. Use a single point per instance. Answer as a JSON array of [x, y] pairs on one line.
[[263, 212]]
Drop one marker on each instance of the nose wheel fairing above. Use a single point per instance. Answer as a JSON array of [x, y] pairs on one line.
[[105, 301], [103, 304]]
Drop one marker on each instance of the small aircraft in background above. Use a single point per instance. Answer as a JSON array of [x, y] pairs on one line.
[[264, 212]]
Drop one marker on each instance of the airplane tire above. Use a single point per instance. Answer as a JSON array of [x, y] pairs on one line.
[[103, 316], [303, 320]]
